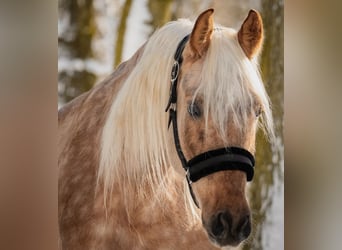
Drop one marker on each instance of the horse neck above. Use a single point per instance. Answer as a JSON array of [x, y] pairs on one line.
[[166, 200]]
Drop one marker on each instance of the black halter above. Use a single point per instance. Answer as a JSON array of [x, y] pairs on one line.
[[230, 158]]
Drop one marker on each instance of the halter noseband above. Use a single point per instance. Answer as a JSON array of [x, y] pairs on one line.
[[229, 158]]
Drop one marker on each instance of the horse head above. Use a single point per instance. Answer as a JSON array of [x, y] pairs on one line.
[[219, 99]]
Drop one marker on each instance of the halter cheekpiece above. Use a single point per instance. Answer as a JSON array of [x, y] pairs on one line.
[[229, 158]]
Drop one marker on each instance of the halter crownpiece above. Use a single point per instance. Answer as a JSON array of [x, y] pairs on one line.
[[228, 158]]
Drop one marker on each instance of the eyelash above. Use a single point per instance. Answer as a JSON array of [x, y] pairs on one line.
[[195, 111]]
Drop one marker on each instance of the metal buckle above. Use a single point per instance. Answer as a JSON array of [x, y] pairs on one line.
[[188, 176], [173, 95], [174, 71]]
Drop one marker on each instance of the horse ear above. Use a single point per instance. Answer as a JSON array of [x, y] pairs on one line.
[[201, 33], [250, 35]]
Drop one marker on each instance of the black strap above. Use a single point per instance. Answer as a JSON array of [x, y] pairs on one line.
[[230, 158], [171, 107], [173, 119], [178, 55], [221, 163]]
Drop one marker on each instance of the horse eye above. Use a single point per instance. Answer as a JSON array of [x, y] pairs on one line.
[[194, 110]]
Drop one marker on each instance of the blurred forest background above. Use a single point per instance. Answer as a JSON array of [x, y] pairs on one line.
[[94, 36]]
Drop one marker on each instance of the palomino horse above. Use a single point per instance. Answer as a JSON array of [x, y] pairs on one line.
[[132, 176]]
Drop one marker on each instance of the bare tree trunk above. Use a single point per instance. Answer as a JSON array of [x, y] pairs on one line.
[[76, 43], [121, 32], [272, 69]]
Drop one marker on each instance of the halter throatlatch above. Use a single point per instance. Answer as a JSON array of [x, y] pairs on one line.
[[229, 158]]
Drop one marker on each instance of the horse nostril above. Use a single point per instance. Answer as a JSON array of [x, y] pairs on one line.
[[244, 227], [221, 224]]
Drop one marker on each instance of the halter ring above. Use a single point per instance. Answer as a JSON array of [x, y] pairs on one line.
[[174, 71]]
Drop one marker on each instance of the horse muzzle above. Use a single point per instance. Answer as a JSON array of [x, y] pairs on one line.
[[224, 229]]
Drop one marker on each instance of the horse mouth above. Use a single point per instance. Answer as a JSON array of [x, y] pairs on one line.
[[223, 242]]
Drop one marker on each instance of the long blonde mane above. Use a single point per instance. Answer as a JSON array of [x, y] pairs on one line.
[[230, 84], [135, 146]]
